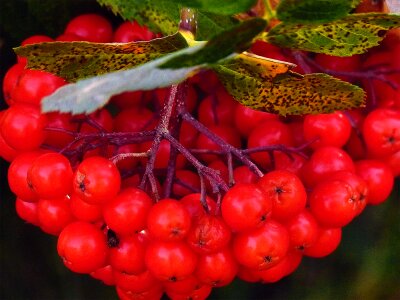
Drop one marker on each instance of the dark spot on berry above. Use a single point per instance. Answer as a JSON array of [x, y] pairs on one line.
[[112, 239], [82, 186], [268, 259], [173, 279], [278, 190], [301, 248]]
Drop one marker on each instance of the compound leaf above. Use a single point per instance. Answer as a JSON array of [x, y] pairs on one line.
[[269, 85], [78, 60], [314, 11], [88, 95], [351, 35]]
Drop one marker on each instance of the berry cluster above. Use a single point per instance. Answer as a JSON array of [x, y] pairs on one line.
[[212, 191]]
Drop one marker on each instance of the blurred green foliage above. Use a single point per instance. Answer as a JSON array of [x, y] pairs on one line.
[[366, 265]]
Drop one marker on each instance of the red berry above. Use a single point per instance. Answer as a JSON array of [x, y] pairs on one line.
[[34, 85], [332, 203], [50, 176], [127, 212], [131, 31], [327, 129], [323, 162], [245, 207], [96, 180], [128, 255], [327, 241], [168, 220], [170, 260], [91, 28], [217, 269], [381, 132], [263, 247], [286, 191], [379, 179], [23, 127], [54, 214], [82, 246], [208, 234]]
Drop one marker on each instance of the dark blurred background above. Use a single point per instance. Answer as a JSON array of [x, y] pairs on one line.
[[365, 266]]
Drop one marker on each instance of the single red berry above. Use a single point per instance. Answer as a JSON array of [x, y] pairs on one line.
[[91, 28], [50, 176], [128, 255], [303, 230], [83, 247], [127, 212], [34, 85], [217, 269], [23, 127], [208, 234], [170, 260], [245, 207], [327, 241], [96, 180], [379, 179], [332, 203], [54, 214], [327, 129], [131, 31], [286, 191], [168, 220], [263, 247], [381, 132], [323, 162]]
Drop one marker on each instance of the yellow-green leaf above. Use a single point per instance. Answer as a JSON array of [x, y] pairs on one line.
[[354, 34], [78, 60], [270, 86]]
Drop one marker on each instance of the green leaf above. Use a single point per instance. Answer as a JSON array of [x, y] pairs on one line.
[[90, 94], [163, 16], [159, 16], [354, 34], [314, 11], [236, 39], [210, 24], [269, 85], [77, 60]]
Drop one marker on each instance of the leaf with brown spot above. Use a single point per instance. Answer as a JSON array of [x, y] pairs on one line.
[[269, 85], [354, 34], [78, 60]]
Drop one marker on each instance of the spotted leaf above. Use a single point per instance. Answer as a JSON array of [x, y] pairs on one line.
[[269, 85], [314, 11], [353, 34], [88, 95], [78, 60]]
